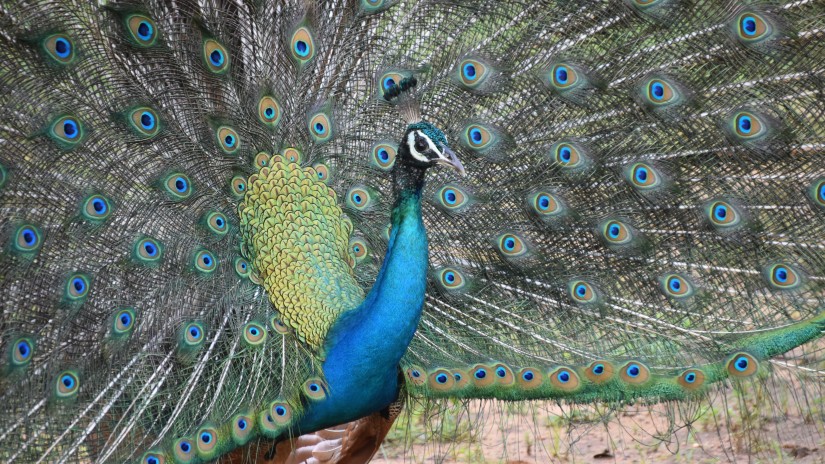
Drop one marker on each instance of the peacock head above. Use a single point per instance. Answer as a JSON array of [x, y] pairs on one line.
[[424, 146]]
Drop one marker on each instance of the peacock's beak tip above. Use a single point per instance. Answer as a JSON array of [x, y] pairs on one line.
[[449, 158]]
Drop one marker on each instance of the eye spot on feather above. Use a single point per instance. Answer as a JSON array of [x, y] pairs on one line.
[[565, 379], [635, 373], [228, 139], [660, 92], [563, 76], [148, 250], [753, 27], [478, 137], [207, 440], [441, 380], [302, 45], [254, 334], [315, 389], [292, 155], [269, 111], [320, 127], [383, 156], [643, 176], [676, 286], [154, 458], [77, 287], [238, 186], [817, 192], [359, 249], [142, 30], [782, 276], [511, 245], [722, 215], [261, 160], [216, 223], [216, 56], [22, 351], [124, 322], [742, 365], [183, 450], [96, 208], [359, 198], [193, 334], [582, 292], [241, 429], [27, 238], [60, 48], [568, 156], [415, 374], [546, 204], [616, 232], [281, 413], [66, 131], [205, 262], [482, 376], [529, 378], [278, 325], [178, 186], [503, 374], [390, 80], [692, 379], [472, 73], [144, 122], [599, 371], [242, 268], [451, 279], [451, 197], [67, 385]]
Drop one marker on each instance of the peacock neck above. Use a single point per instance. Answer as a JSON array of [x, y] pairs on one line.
[[365, 346]]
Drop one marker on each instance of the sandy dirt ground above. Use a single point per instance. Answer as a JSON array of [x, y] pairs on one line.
[[788, 427]]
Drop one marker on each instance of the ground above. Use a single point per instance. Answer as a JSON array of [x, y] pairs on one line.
[[779, 425]]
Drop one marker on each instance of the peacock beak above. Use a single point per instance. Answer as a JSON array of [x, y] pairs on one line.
[[449, 158]]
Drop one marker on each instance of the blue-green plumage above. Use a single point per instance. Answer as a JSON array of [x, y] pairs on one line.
[[365, 346], [209, 243]]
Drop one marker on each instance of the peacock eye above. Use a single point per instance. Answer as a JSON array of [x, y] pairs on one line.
[[420, 145]]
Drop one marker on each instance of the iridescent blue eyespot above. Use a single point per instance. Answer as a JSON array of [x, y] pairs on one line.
[[723, 215], [753, 28], [124, 321], [21, 352], [303, 46], [70, 128], [280, 410], [217, 58], [193, 334], [77, 287], [389, 82], [501, 372], [582, 292], [142, 29], [480, 373], [742, 365], [782, 276], [62, 47], [441, 378], [185, 447], [676, 286], [67, 384], [178, 186], [511, 245], [527, 375], [205, 262], [27, 238], [598, 369]]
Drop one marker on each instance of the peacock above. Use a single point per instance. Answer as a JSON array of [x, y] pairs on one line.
[[233, 230]]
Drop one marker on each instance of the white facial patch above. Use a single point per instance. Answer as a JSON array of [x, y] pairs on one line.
[[419, 156]]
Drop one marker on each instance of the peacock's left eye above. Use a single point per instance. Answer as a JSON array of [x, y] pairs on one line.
[[420, 145]]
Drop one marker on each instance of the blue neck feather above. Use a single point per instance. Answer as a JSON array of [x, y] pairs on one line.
[[364, 347]]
